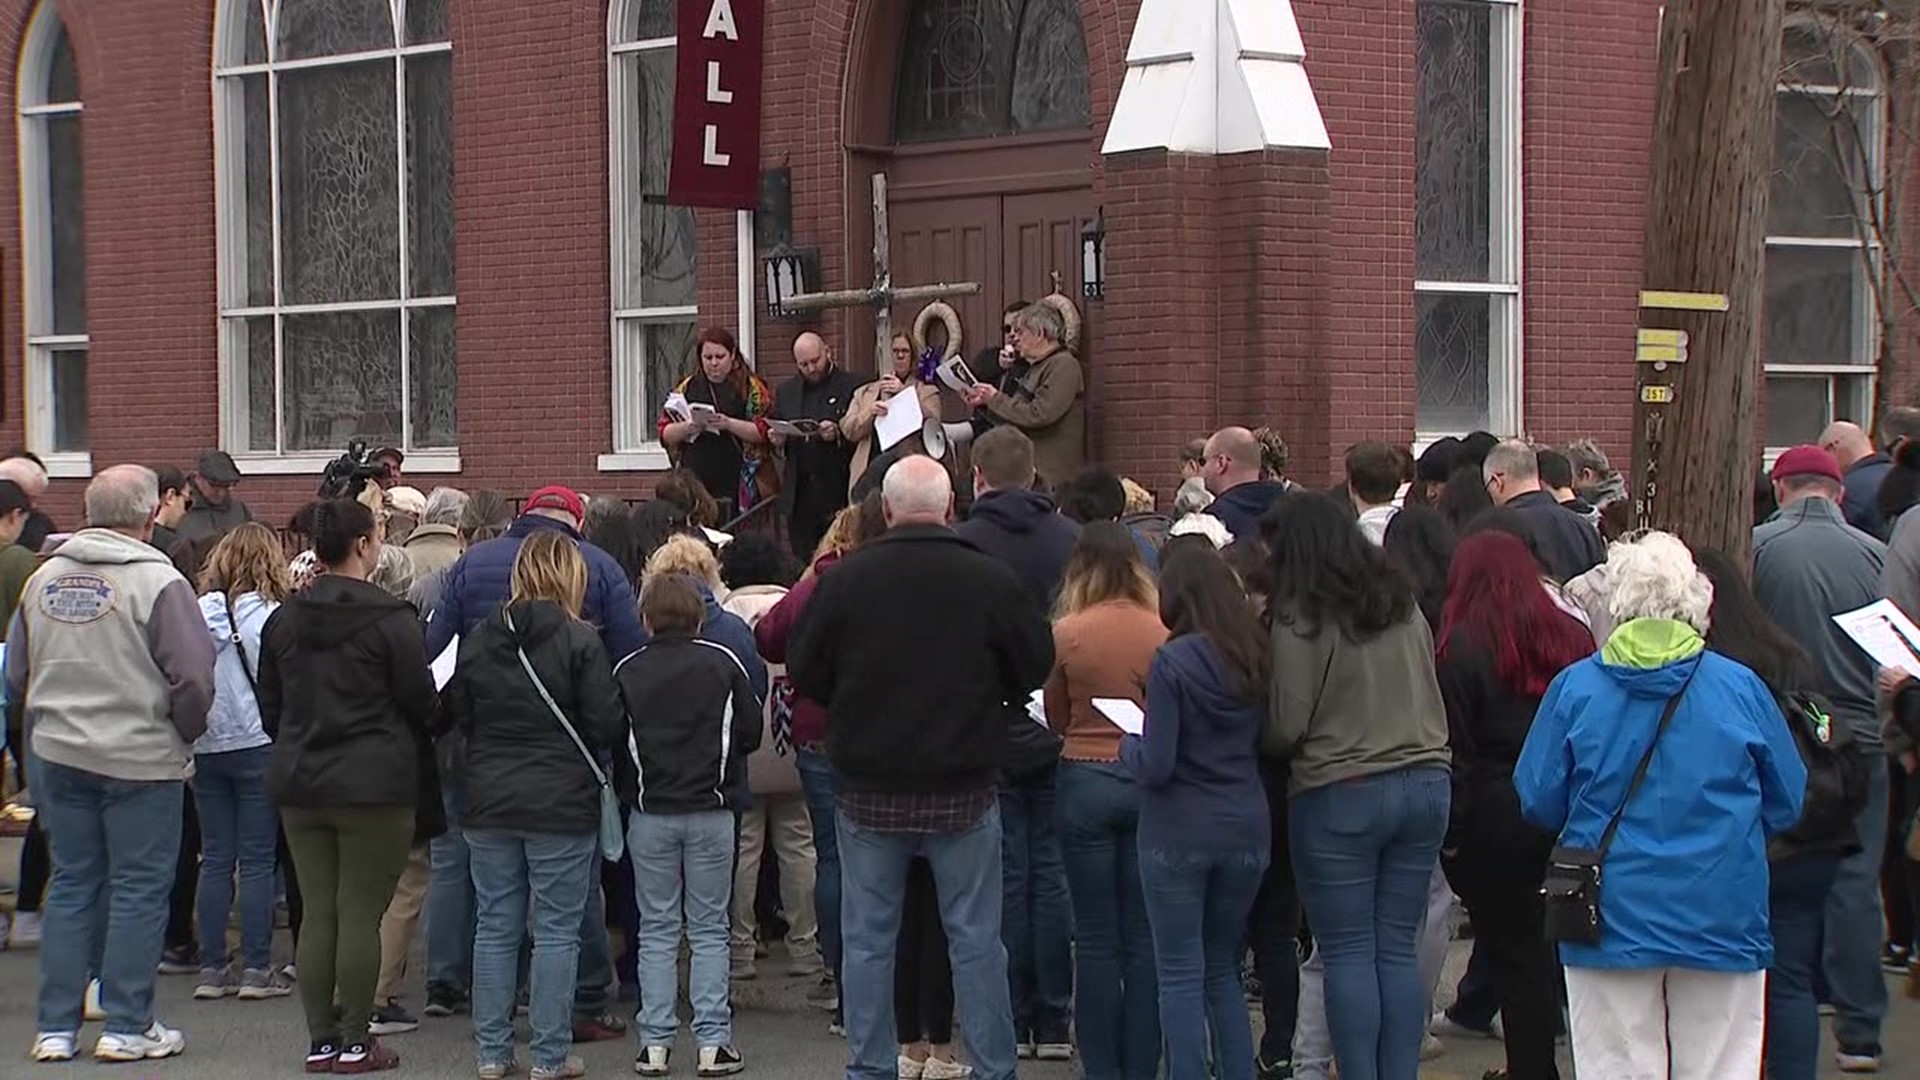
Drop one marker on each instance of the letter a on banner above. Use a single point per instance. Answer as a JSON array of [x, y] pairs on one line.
[[716, 116]]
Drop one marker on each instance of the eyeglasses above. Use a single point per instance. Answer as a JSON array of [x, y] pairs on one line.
[[1006, 328]]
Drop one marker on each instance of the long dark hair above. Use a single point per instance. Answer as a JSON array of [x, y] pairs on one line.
[[1420, 543], [1741, 629], [1465, 497], [1901, 488], [1200, 595], [1494, 600], [1326, 573]]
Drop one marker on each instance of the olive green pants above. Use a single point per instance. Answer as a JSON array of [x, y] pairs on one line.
[[348, 859]]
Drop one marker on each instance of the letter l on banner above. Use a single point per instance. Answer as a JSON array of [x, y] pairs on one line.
[[716, 104]]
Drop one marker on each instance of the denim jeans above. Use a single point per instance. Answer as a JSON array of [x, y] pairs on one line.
[[683, 861], [1364, 852], [1038, 921], [1476, 1001], [821, 785], [966, 874], [450, 904], [506, 866], [1851, 959], [1198, 902], [1797, 900], [1117, 1004], [114, 844], [238, 827]]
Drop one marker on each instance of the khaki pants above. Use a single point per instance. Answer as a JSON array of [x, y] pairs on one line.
[[782, 821], [399, 925]]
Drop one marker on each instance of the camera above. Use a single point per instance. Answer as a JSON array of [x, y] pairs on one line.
[[348, 474]]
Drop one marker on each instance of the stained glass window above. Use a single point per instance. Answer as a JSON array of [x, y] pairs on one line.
[[336, 225], [53, 244], [973, 68], [1466, 216]]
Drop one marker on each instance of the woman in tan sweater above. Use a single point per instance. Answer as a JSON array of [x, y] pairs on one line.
[[1108, 630]]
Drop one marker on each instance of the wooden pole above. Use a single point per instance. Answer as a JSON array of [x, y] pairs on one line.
[[882, 278], [1694, 457]]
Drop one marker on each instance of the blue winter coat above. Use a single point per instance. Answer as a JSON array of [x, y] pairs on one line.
[[480, 582], [1685, 882]]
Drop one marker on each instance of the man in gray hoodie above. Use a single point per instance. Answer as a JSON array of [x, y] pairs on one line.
[[115, 665]]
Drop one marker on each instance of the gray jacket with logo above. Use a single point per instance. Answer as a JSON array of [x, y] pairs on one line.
[[1808, 566]]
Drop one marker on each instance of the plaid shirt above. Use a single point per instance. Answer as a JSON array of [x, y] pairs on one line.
[[919, 812]]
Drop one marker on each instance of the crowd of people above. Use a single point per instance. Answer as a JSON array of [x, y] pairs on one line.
[[1097, 766]]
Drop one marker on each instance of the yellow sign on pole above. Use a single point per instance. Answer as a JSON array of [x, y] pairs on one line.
[[1684, 301], [1656, 395], [1672, 339]]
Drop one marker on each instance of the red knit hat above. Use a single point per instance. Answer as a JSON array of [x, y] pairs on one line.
[[555, 497]]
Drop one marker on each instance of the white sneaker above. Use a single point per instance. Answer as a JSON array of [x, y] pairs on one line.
[[654, 1061], [159, 1041], [935, 1069], [25, 932], [1857, 1063], [54, 1046], [910, 1069], [1431, 1048], [90, 1008]]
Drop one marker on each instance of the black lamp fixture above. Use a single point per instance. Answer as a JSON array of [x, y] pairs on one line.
[[1093, 256], [789, 272]]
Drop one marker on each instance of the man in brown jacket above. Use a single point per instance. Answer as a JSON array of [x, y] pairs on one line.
[[1046, 402]]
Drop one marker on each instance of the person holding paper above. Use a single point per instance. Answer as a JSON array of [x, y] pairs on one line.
[[1104, 641], [1048, 401], [818, 464], [870, 403], [722, 435], [1204, 827]]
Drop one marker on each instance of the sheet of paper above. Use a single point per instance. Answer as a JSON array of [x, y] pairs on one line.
[[797, 429], [1036, 705], [1122, 713], [903, 418], [954, 372], [443, 664], [1885, 633]]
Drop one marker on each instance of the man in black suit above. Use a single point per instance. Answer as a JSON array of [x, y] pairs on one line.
[[814, 485]]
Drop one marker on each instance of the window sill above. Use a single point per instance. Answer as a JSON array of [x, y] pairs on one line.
[[311, 464], [69, 465], [646, 459]]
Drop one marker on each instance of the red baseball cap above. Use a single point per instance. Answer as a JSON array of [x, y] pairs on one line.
[[1807, 461], [555, 497]]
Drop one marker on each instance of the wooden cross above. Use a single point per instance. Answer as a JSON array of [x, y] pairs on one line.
[[882, 295]]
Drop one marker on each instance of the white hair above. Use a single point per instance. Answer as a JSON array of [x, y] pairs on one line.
[[123, 497], [394, 571], [917, 487], [1654, 577], [1205, 525], [444, 507], [1512, 459], [1192, 497], [23, 471]]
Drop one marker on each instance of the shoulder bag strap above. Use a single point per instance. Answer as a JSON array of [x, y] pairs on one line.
[[527, 666], [239, 646], [1646, 759]]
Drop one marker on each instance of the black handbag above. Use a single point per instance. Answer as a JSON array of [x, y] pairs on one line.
[[1571, 888]]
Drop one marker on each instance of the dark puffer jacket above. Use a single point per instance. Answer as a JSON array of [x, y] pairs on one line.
[[480, 582]]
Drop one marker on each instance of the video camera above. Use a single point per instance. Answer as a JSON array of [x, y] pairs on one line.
[[347, 475]]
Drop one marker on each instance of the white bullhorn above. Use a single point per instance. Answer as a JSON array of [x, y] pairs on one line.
[[938, 437]]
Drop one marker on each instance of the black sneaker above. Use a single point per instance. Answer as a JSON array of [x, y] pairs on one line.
[[391, 1019], [444, 1000], [719, 1061], [322, 1054], [1274, 1070], [180, 960], [1896, 960], [1052, 1041]]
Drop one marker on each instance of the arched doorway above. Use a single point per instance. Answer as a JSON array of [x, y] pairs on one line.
[[979, 112]]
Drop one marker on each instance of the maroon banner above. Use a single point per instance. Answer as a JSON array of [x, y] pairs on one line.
[[716, 104]]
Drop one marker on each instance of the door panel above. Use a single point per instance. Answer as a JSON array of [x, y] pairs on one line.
[[1042, 239], [950, 240]]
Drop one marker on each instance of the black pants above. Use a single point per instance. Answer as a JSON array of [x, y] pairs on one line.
[[1896, 870], [36, 867], [186, 882], [922, 972], [296, 911], [809, 523], [1498, 879], [1273, 932]]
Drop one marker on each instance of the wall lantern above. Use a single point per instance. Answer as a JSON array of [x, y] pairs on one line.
[[1093, 257], [789, 272]]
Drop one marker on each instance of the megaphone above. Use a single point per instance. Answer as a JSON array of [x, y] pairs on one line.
[[939, 437]]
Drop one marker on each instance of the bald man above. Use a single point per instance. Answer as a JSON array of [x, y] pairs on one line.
[[818, 463], [1232, 473], [1864, 469]]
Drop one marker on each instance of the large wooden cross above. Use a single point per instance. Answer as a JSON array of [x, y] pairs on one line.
[[882, 295]]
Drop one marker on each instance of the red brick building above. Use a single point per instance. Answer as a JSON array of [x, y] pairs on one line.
[[271, 225]]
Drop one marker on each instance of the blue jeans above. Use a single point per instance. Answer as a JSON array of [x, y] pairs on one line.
[[1117, 1004], [238, 827], [1198, 902], [1797, 900], [114, 845], [1851, 957], [506, 865], [1038, 921], [966, 869], [450, 914], [683, 861], [821, 785], [1364, 852]]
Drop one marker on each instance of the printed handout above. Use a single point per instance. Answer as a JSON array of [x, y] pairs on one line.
[[903, 418], [1122, 713], [1885, 633]]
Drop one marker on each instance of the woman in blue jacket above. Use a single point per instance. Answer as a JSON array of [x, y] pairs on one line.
[[1676, 986]]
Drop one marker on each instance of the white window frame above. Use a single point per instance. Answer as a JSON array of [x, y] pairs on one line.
[[1506, 339], [230, 213], [43, 347], [636, 442], [1866, 328]]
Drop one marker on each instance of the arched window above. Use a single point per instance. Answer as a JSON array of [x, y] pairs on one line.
[[334, 139], [1824, 225], [53, 246], [975, 68]]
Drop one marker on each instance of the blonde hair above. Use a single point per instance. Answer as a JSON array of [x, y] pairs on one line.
[[1139, 499], [1106, 567], [549, 567], [841, 536], [393, 571], [248, 559], [685, 555]]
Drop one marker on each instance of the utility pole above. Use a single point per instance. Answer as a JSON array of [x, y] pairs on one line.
[[1693, 460]]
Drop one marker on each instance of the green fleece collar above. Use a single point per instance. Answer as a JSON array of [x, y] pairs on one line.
[[1651, 643]]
